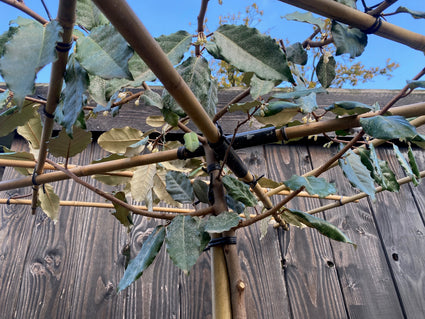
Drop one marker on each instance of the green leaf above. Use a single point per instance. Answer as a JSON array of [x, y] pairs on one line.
[[179, 187], [414, 166], [415, 14], [121, 213], [14, 117], [350, 108], [239, 190], [295, 53], [64, 146], [325, 70], [30, 49], [160, 189], [197, 74], [268, 183], [306, 17], [150, 248], [313, 185], [260, 87], [297, 93], [415, 84], [275, 107], [19, 156], [201, 190], [250, 51], [104, 53], [88, 15], [349, 3], [307, 103], [348, 40], [388, 127], [32, 131], [184, 240], [419, 140], [357, 173], [117, 140], [235, 205], [404, 164], [72, 97], [244, 106], [150, 97], [142, 182], [5, 37], [222, 222], [191, 141], [49, 201], [323, 226]]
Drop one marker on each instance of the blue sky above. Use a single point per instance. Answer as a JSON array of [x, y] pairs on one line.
[[165, 17]]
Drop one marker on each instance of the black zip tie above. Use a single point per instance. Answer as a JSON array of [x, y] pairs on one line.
[[255, 181], [8, 201], [47, 114], [221, 241], [340, 201], [374, 27], [213, 167], [34, 175], [284, 136], [63, 47]]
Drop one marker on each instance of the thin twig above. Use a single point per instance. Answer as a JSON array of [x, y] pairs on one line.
[[201, 17], [21, 6], [236, 99], [47, 10]]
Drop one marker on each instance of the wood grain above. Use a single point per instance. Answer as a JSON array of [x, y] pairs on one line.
[[313, 286], [364, 274]]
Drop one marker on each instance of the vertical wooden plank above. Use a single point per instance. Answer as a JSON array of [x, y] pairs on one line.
[[261, 260], [70, 268], [312, 283], [16, 224], [364, 274], [402, 229]]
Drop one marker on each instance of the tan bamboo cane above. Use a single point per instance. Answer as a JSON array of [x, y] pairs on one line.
[[363, 21], [66, 18]]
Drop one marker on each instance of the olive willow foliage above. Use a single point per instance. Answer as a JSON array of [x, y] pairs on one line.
[[102, 67]]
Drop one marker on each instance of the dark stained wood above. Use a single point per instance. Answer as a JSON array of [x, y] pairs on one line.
[[312, 285], [402, 230], [365, 277]]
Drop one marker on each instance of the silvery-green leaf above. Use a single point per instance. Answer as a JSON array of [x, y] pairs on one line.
[[415, 14], [179, 187], [325, 70], [261, 87], [313, 185], [388, 127], [201, 190], [239, 190], [306, 17], [222, 222], [295, 53], [348, 40], [88, 15], [350, 108], [297, 93], [27, 52], [415, 84], [250, 51]]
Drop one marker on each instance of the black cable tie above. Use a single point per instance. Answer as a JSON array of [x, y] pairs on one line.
[[63, 47], [254, 181], [213, 167], [47, 114], [34, 175], [8, 201], [340, 201], [284, 136], [374, 27], [221, 241]]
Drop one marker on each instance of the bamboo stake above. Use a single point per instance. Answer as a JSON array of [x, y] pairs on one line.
[[360, 20], [66, 18], [359, 196], [92, 169], [132, 29]]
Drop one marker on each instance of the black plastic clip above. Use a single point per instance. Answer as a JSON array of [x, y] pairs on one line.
[[63, 47], [254, 181], [221, 241], [374, 27], [34, 176], [47, 114]]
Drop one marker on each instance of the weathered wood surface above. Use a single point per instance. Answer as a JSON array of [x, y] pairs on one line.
[[71, 269]]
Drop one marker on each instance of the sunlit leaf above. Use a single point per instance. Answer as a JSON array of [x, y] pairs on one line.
[[72, 98], [27, 52], [13, 117], [179, 187], [49, 201], [191, 141], [415, 14], [18, 156], [88, 15], [388, 127], [117, 140], [297, 93], [184, 237], [415, 84], [155, 120], [250, 51], [313, 185], [142, 181], [261, 87], [323, 226], [104, 53], [32, 131], [348, 40], [64, 146], [239, 190], [136, 148], [150, 248], [357, 173], [121, 213], [222, 222], [287, 113]]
